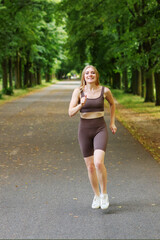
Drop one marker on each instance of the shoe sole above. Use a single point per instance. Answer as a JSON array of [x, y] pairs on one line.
[[95, 207], [105, 208]]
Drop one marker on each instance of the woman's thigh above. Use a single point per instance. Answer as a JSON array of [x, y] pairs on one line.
[[101, 140]]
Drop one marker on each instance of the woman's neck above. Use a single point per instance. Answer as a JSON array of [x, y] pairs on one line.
[[91, 87]]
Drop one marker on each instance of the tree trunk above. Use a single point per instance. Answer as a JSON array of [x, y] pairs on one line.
[[157, 84], [4, 74], [134, 81], [47, 77], [10, 72], [17, 72], [51, 77], [116, 80], [47, 74], [39, 81], [111, 81], [26, 74], [143, 84], [20, 72], [139, 83], [125, 80], [30, 79], [33, 79], [149, 86]]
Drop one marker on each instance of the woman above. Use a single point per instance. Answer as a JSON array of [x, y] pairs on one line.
[[92, 133]]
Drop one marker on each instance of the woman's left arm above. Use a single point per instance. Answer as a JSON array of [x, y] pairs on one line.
[[108, 96]]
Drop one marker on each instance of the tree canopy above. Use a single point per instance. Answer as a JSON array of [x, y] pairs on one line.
[[121, 38], [30, 40]]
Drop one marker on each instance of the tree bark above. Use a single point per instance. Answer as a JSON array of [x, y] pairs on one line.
[[143, 83], [48, 74], [149, 86], [157, 85], [18, 83], [20, 72], [4, 74], [125, 80], [47, 77], [116, 81], [139, 83], [111, 81], [10, 72], [134, 81], [26, 74], [38, 76], [30, 79]]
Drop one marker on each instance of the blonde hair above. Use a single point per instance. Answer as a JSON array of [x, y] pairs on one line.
[[83, 82]]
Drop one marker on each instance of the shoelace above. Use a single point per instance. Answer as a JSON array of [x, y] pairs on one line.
[[96, 198], [104, 198]]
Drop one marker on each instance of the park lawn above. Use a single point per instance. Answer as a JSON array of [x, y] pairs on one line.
[[136, 103], [23, 92], [140, 118]]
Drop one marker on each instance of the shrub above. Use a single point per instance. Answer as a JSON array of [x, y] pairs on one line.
[[8, 91]]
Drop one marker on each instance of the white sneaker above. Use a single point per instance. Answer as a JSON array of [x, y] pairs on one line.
[[96, 202], [104, 201]]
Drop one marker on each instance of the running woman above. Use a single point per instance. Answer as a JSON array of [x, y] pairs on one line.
[[88, 99]]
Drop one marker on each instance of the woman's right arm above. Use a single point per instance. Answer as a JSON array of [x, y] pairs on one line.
[[74, 107]]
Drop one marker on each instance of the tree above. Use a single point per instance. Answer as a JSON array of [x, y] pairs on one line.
[[29, 40]]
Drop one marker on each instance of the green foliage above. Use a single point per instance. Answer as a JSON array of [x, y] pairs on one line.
[[112, 35], [29, 29], [8, 91], [52, 36]]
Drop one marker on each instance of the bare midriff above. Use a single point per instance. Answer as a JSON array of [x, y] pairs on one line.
[[91, 115]]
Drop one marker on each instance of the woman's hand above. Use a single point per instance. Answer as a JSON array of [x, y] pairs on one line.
[[83, 100], [113, 128]]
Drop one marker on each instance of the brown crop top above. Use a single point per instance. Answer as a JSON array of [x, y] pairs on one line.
[[93, 104]]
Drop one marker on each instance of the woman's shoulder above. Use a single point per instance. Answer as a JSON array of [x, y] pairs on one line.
[[77, 91], [106, 91]]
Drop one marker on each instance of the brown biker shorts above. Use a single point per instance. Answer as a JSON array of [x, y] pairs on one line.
[[92, 135]]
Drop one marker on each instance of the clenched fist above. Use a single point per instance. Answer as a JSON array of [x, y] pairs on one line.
[[83, 100]]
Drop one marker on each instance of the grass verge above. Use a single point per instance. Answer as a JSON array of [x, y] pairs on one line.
[[141, 119]]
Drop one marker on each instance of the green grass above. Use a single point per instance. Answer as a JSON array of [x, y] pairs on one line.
[[148, 112], [22, 92], [136, 103]]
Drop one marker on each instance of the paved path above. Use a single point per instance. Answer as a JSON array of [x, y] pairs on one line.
[[44, 188]]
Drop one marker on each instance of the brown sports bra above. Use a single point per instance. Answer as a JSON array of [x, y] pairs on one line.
[[93, 104]]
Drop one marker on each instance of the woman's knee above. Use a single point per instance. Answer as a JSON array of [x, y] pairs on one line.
[[99, 165], [91, 168]]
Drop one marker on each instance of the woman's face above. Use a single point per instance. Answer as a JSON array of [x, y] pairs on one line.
[[90, 75]]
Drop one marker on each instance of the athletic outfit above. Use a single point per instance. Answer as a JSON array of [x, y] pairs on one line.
[[92, 132]]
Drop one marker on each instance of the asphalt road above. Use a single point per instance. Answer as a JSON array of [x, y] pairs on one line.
[[44, 187]]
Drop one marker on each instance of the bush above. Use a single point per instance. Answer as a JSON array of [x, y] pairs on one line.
[[8, 91]]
